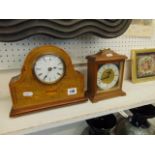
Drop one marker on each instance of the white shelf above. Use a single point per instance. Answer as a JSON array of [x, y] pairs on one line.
[[137, 95]]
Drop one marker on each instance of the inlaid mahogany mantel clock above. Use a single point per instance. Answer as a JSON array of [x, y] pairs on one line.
[[48, 79], [105, 75]]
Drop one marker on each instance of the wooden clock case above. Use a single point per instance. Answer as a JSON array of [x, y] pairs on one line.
[[29, 94], [103, 57]]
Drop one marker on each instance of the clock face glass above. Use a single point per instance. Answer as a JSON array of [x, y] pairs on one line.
[[49, 69], [107, 76]]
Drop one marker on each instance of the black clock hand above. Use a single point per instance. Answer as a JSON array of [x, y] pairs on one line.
[[45, 77], [57, 68], [108, 72], [53, 67], [47, 73], [105, 77]]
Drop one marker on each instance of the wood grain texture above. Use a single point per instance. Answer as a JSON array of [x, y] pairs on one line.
[[45, 95], [94, 61], [17, 29]]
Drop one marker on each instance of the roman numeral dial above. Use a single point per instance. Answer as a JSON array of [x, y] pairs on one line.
[[49, 69], [107, 76]]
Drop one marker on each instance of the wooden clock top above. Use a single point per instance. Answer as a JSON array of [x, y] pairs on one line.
[[106, 55]]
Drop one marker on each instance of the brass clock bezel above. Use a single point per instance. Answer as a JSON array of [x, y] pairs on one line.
[[48, 83]]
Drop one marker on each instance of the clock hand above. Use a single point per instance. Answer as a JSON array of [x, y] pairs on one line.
[[108, 72], [56, 67], [108, 76], [105, 77], [45, 77], [47, 74], [50, 68]]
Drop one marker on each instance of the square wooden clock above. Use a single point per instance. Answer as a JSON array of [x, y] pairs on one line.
[[105, 75]]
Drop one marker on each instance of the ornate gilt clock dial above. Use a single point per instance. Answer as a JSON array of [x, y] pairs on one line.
[[49, 69], [107, 76]]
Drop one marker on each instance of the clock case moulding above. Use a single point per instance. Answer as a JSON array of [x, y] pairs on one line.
[[45, 95], [103, 57]]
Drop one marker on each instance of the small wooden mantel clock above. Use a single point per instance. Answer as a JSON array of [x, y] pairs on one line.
[[48, 79], [105, 75]]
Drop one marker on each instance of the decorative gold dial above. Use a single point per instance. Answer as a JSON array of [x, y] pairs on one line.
[[107, 76]]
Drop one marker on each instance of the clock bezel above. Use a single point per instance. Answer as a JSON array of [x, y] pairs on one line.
[[44, 82]]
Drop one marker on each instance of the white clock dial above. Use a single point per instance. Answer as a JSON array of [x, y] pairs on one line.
[[107, 76], [49, 69]]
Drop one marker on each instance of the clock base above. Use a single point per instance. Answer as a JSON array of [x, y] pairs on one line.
[[21, 111], [106, 95]]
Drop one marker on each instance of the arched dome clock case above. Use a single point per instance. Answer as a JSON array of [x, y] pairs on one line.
[[48, 79]]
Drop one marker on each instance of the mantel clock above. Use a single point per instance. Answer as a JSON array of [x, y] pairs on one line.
[[105, 75], [48, 79]]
